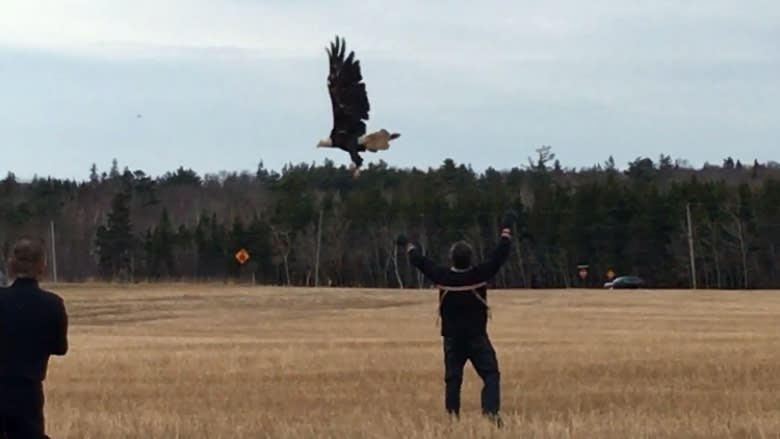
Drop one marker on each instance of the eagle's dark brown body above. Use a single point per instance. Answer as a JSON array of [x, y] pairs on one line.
[[350, 108]]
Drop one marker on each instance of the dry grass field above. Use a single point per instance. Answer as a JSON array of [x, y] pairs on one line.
[[216, 361]]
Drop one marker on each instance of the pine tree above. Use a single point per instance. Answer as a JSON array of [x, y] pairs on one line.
[[114, 241], [93, 174], [163, 241]]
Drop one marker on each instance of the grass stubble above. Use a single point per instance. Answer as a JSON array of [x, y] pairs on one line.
[[219, 361]]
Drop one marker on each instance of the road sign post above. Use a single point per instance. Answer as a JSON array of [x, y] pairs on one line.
[[242, 256]]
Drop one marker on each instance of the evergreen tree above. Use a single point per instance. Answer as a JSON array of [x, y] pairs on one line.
[[114, 241], [632, 220]]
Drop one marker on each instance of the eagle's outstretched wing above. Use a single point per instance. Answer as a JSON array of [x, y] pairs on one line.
[[348, 96]]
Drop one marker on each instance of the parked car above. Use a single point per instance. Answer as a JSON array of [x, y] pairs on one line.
[[625, 282]]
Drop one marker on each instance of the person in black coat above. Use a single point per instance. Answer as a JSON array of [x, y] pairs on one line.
[[464, 311], [33, 326]]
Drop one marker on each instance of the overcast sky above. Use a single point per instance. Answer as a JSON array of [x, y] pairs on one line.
[[221, 85]]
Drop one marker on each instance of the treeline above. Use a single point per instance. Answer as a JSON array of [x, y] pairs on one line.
[[315, 225]]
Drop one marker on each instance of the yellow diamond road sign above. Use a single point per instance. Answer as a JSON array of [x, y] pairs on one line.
[[242, 256]]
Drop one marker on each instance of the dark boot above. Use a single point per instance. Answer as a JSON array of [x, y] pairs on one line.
[[495, 419]]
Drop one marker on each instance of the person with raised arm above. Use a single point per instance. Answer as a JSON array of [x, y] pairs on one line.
[[464, 312]]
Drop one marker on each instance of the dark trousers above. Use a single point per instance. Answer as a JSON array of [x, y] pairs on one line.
[[479, 350], [21, 409]]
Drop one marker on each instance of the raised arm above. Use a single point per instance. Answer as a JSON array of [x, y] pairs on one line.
[[426, 266], [490, 268]]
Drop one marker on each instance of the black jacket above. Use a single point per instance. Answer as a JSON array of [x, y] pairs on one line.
[[33, 326], [463, 293]]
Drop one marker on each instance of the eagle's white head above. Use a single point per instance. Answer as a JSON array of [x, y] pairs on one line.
[[325, 143]]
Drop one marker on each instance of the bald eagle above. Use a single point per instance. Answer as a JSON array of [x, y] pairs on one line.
[[350, 108]]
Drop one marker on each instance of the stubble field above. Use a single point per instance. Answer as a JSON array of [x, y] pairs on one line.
[[217, 361]]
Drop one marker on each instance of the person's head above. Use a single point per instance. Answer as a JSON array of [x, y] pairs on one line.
[[460, 255], [27, 259]]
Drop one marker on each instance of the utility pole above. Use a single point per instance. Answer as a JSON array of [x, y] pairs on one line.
[[395, 266], [53, 252], [691, 254], [317, 258]]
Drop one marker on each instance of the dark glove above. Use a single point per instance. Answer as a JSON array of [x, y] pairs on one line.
[[509, 219], [401, 240]]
